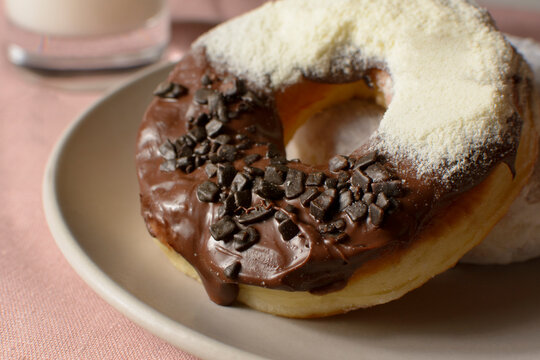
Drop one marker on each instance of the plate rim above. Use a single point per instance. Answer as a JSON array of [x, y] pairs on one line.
[[173, 332]]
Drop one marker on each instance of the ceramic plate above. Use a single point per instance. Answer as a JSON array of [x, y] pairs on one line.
[[91, 203]]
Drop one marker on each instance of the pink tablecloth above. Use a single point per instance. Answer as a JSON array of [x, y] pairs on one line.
[[46, 310]]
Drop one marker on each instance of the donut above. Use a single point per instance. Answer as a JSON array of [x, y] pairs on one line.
[[455, 146]]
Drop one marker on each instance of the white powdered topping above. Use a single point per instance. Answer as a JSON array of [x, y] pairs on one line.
[[448, 64]]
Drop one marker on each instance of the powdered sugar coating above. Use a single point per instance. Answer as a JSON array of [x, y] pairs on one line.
[[450, 66]]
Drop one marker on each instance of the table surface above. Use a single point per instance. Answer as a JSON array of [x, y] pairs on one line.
[[46, 310]]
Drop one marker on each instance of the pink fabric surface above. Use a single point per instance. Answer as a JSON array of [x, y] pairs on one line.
[[46, 310]]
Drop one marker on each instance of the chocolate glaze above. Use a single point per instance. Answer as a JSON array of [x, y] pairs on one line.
[[309, 261]]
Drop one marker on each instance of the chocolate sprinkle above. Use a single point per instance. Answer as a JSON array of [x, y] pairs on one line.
[[376, 215], [228, 206], [243, 198], [366, 160], [227, 152], [240, 182], [382, 201], [246, 239], [294, 183], [223, 229], [360, 180], [308, 196], [201, 95], [377, 172], [233, 270], [288, 229], [225, 174], [169, 90], [345, 199], [273, 151], [275, 174], [390, 188], [368, 198], [210, 170], [267, 190], [207, 191], [214, 127], [320, 207], [356, 211], [315, 179], [337, 163], [258, 214]]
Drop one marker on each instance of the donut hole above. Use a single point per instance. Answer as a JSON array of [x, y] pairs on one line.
[[321, 120], [338, 129]]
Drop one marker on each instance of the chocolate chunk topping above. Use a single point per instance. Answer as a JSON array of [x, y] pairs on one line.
[[288, 229], [356, 211], [294, 183], [273, 151], [390, 188], [202, 148], [253, 171], [337, 163], [360, 179], [376, 215], [250, 159], [382, 201], [368, 198], [243, 198], [258, 214], [331, 183], [315, 179], [240, 182], [197, 133], [246, 239], [233, 270], [183, 150], [366, 160], [202, 94], [169, 90], [331, 227], [345, 199], [214, 127], [280, 216], [214, 100], [320, 207], [308, 196], [225, 174], [201, 120], [210, 170], [275, 174], [267, 190], [223, 229], [223, 139], [207, 191], [377, 172], [205, 80], [227, 152], [228, 206], [167, 150], [184, 162]]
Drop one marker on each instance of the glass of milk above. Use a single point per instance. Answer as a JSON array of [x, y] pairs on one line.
[[86, 34]]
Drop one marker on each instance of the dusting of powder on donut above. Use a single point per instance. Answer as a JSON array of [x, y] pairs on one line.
[[448, 63]]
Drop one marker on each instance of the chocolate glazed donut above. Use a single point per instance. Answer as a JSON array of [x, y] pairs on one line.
[[217, 190]]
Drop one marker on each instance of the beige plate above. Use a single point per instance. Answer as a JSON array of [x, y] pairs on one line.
[[90, 196]]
